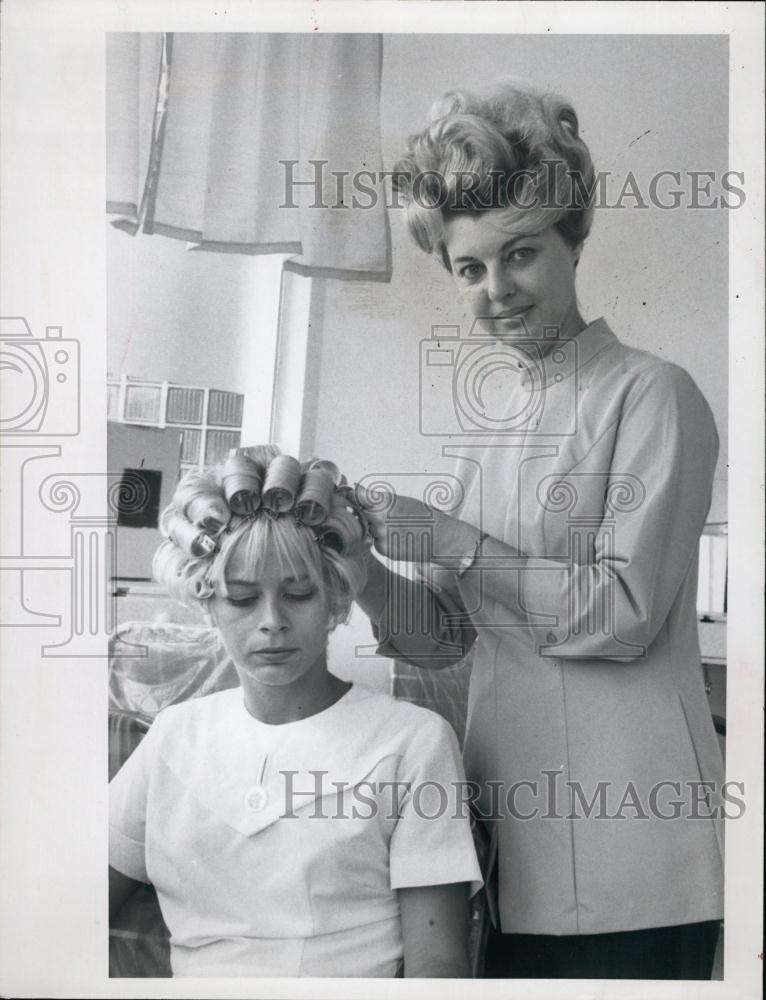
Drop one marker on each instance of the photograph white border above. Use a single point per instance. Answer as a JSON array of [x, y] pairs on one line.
[[53, 934]]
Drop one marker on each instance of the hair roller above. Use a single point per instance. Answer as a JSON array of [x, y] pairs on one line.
[[169, 564], [327, 466], [332, 537], [210, 513], [198, 497], [189, 537], [242, 481], [322, 535], [201, 588], [173, 568], [342, 531], [281, 485], [316, 495]]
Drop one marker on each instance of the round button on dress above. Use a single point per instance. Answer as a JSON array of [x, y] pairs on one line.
[[256, 798]]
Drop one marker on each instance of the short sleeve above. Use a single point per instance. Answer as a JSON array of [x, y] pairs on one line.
[[128, 796], [432, 843]]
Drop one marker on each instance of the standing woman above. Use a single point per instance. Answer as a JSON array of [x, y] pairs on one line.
[[572, 567]]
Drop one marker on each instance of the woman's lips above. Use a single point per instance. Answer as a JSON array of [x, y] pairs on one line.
[[275, 653], [515, 314]]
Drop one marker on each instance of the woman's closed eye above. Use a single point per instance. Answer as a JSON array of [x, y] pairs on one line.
[[242, 602], [249, 600], [301, 595]]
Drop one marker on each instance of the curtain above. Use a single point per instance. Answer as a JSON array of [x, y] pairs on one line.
[[251, 143]]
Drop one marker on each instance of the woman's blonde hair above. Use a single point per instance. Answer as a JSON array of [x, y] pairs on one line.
[[511, 147], [260, 504]]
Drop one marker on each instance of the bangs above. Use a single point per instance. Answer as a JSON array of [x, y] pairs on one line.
[[265, 540]]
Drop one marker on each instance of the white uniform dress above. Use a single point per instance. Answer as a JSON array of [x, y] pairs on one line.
[[277, 850]]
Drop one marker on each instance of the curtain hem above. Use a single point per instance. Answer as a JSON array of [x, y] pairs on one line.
[[130, 225], [346, 274], [122, 208]]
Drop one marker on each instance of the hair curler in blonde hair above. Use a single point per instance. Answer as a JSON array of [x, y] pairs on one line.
[[189, 537], [183, 576], [242, 481], [342, 531], [199, 498], [314, 501], [281, 485], [301, 514], [330, 467]]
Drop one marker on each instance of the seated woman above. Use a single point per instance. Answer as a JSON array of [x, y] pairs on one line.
[[298, 825]]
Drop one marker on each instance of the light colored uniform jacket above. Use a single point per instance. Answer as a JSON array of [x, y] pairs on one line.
[[588, 673]]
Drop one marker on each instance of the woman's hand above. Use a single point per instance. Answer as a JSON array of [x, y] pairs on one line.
[[407, 530]]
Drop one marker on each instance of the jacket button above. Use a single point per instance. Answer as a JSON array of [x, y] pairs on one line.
[[256, 798]]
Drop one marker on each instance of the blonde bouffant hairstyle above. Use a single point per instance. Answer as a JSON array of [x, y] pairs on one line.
[[511, 148], [203, 529]]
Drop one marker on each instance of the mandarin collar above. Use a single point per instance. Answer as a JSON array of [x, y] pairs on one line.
[[567, 359]]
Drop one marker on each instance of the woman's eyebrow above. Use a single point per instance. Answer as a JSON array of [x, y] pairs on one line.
[[516, 239], [456, 260], [506, 246], [256, 583]]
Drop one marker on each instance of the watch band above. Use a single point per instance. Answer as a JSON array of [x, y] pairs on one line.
[[467, 561]]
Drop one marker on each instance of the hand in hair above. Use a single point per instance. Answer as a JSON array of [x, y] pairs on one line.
[[258, 494], [399, 524]]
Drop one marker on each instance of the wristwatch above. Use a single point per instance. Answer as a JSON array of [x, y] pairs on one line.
[[467, 561]]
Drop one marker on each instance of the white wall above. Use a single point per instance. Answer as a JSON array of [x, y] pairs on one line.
[[658, 277], [195, 317]]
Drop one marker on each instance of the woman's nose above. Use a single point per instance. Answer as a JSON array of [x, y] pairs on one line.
[[500, 283], [272, 616]]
